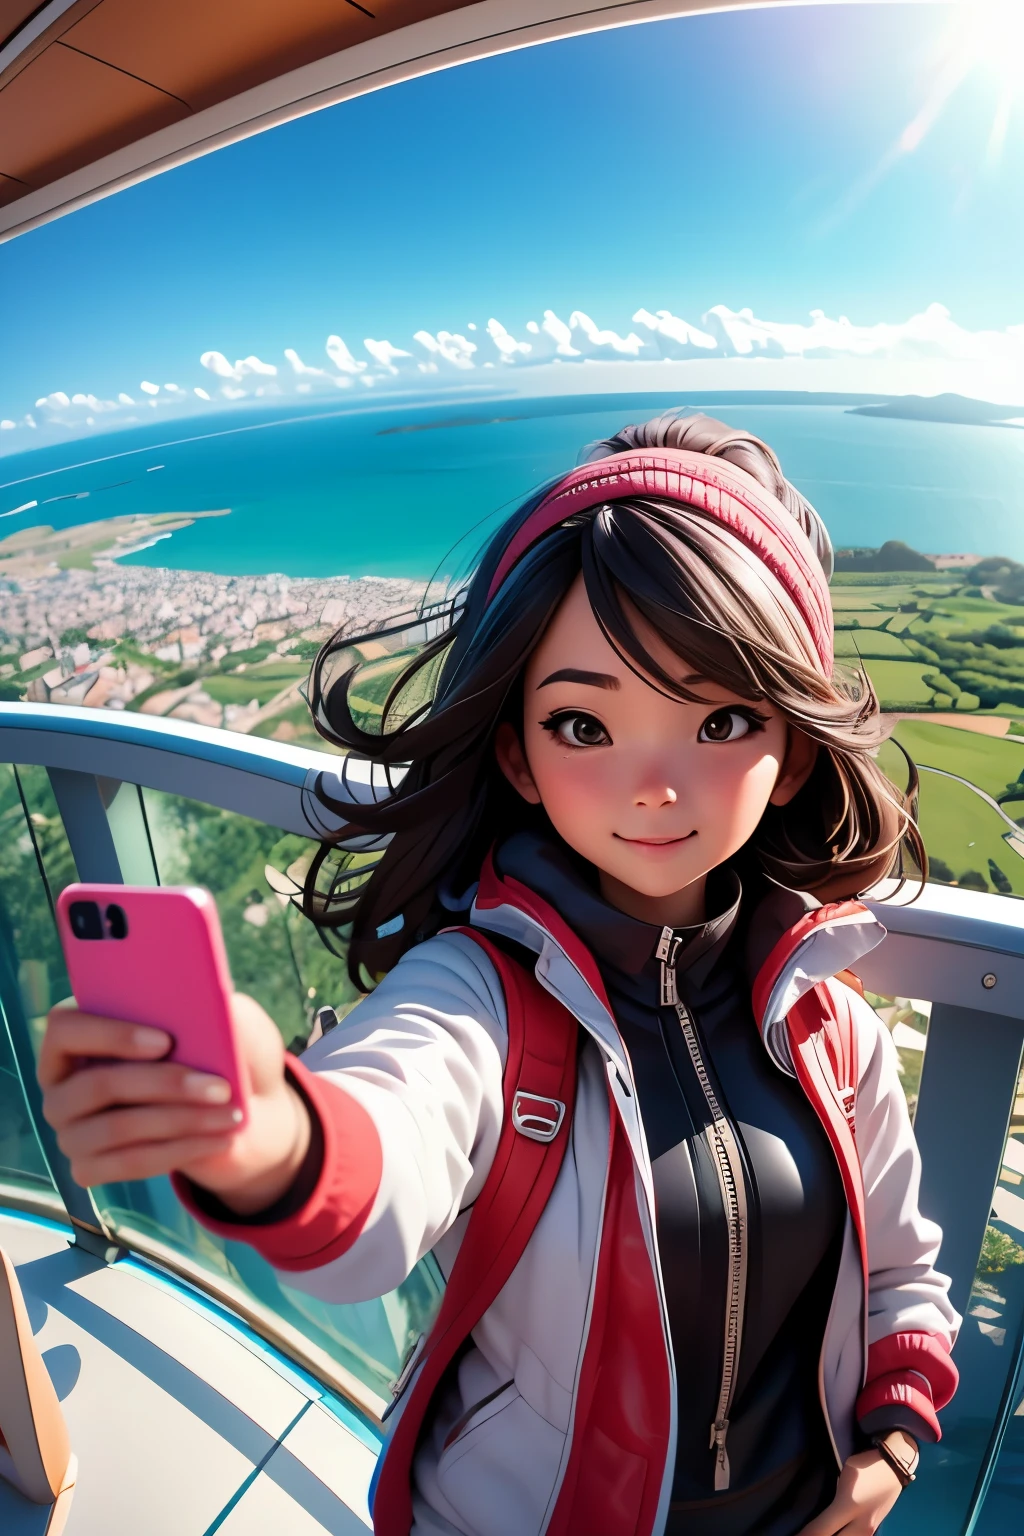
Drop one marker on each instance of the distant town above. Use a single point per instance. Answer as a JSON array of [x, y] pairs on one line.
[[77, 627]]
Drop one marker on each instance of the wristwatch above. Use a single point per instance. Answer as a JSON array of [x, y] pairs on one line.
[[901, 1452]]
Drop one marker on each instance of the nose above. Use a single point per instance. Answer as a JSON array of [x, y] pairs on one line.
[[654, 796]]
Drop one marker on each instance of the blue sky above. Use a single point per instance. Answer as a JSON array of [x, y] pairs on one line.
[[738, 160]]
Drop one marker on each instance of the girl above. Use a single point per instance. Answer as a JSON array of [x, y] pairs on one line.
[[610, 1073]]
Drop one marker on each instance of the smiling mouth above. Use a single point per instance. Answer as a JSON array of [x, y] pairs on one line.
[[655, 842]]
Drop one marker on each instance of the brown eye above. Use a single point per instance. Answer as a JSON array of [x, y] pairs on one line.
[[579, 731], [724, 725]]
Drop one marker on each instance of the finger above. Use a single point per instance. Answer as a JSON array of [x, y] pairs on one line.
[[93, 1089], [70, 1035], [143, 1126], [146, 1161]]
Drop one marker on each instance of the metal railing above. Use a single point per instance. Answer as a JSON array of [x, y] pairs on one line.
[[961, 950]]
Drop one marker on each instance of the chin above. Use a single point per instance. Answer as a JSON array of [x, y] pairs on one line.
[[660, 882]]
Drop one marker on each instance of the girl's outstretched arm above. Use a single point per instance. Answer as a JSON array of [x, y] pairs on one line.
[[405, 1101]]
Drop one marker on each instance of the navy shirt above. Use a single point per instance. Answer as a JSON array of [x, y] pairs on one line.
[[783, 1467]]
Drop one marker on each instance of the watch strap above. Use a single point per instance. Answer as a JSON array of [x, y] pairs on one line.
[[905, 1467]]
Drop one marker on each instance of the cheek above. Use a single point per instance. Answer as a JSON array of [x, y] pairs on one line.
[[572, 785], [741, 785]]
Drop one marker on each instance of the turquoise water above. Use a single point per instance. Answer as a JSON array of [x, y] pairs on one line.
[[391, 489]]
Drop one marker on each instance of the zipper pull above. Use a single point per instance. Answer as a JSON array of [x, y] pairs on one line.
[[668, 945], [719, 1431]]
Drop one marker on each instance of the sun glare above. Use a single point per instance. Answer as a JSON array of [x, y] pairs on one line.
[[993, 34]]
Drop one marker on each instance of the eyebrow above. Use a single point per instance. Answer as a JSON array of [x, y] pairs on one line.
[[574, 675]]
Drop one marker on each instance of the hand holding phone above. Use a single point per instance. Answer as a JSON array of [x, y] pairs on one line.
[[159, 1067], [155, 956]]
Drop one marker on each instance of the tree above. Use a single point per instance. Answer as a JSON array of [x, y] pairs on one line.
[[998, 1252], [973, 880], [999, 879], [938, 869]]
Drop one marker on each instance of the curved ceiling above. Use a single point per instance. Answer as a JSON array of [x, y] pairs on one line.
[[98, 94]]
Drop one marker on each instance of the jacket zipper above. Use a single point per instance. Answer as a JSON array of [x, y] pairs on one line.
[[725, 1150]]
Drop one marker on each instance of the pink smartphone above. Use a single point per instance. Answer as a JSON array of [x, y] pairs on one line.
[[155, 955]]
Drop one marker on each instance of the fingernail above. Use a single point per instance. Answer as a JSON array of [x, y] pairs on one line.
[[214, 1090], [236, 1116], [151, 1039]]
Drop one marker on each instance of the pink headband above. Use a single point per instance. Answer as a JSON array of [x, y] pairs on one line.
[[714, 486]]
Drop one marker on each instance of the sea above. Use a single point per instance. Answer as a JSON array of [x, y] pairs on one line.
[[411, 487]]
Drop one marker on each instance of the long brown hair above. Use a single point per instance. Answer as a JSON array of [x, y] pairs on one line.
[[395, 870]]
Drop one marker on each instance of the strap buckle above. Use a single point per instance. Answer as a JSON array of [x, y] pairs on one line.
[[537, 1117]]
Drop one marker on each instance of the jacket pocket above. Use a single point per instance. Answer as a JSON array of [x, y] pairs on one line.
[[475, 1413], [499, 1466]]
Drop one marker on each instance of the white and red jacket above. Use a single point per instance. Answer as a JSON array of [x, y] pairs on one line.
[[560, 1417]]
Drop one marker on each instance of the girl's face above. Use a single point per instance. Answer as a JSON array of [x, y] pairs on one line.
[[654, 792]]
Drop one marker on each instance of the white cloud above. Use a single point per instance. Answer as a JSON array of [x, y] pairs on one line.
[[594, 342], [218, 364], [341, 357], [927, 353], [301, 368], [508, 348], [675, 337], [7, 426], [384, 353], [448, 347], [560, 334]]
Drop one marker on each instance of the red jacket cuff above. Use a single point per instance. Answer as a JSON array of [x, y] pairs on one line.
[[883, 1404], [907, 1372], [922, 1353], [330, 1220]]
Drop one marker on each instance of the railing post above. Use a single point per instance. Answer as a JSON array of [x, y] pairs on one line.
[[84, 814], [968, 1084], [83, 811]]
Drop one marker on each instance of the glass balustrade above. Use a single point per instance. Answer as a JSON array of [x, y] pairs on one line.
[[277, 957], [34, 862]]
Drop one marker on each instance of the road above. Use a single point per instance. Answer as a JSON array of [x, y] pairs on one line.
[[1018, 844]]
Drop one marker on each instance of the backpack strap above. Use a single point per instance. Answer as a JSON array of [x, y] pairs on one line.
[[539, 1097]]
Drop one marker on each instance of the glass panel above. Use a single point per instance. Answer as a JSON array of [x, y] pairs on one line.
[[986, 1355], [997, 1315], [275, 955], [32, 972], [906, 1019], [277, 958]]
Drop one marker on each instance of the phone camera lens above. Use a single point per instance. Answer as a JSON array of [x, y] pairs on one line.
[[85, 920], [117, 922]]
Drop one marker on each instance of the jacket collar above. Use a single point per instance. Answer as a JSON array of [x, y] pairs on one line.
[[618, 942], [821, 943]]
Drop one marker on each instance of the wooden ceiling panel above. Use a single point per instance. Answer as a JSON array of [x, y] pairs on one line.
[[12, 14], [10, 189], [206, 50], [66, 109]]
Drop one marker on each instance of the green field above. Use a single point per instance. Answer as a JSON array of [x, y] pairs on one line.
[[900, 684], [877, 643], [863, 618], [987, 761], [261, 684]]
